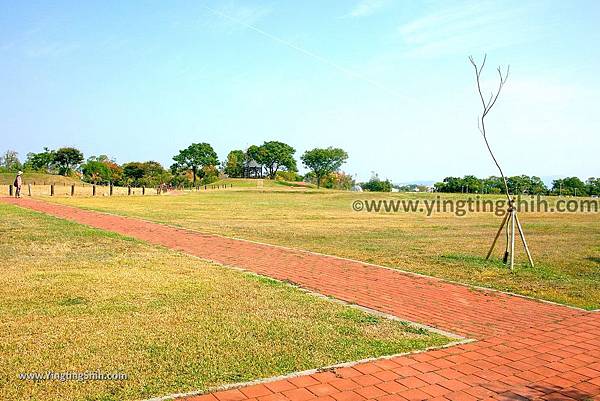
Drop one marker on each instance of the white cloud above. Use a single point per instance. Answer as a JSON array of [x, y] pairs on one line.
[[366, 7]]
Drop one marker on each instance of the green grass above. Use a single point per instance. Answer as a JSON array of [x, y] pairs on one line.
[[77, 299], [565, 246]]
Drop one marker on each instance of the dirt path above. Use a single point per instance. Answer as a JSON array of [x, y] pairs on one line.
[[527, 349]]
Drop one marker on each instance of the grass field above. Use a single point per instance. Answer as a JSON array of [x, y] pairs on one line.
[[566, 247], [76, 299]]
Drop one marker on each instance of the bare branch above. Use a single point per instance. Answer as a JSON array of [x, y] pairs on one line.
[[487, 106]]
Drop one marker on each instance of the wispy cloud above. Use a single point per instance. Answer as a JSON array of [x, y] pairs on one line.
[[364, 8], [469, 27], [238, 13], [50, 49], [315, 56]]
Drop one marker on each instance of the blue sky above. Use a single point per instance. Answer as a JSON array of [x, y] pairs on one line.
[[387, 80]]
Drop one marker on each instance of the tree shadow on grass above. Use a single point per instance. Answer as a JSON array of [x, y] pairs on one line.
[[594, 259]]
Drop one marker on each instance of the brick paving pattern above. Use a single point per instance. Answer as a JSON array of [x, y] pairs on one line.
[[526, 350]]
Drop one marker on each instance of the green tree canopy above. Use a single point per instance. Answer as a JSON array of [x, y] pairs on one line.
[[569, 186], [67, 160], [9, 161], [195, 157], [377, 185], [593, 186], [234, 166], [274, 155], [522, 184], [95, 172], [324, 161], [148, 174], [42, 161]]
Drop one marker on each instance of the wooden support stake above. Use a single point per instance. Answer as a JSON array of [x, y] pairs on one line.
[[522, 234], [143, 190], [51, 189], [512, 240], [73, 190], [94, 190], [128, 189], [10, 190], [497, 236], [29, 188]]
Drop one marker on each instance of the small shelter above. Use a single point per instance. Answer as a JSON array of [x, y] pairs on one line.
[[252, 169]]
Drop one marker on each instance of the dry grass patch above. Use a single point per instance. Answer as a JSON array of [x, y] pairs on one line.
[[77, 299], [565, 246]]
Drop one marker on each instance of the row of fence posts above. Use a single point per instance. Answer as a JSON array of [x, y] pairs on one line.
[[159, 189]]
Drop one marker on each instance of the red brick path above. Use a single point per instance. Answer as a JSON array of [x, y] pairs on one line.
[[526, 349]]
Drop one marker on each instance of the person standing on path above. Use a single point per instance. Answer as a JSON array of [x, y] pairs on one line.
[[18, 184]]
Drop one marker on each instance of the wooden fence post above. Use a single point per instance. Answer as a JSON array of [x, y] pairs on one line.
[[110, 190], [29, 187], [73, 190], [10, 190], [51, 189], [143, 190], [94, 190], [128, 189]]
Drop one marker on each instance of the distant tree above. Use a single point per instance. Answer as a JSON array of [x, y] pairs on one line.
[[274, 155], [194, 158], [324, 161], [115, 172], [154, 174], [101, 170], [593, 186], [377, 185], [95, 172], [210, 174], [569, 186], [9, 161], [337, 180], [234, 166], [472, 184], [67, 160], [43, 161], [451, 185], [290, 176], [133, 172], [149, 174]]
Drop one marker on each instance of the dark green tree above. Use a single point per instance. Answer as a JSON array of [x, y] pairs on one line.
[[133, 172], [593, 186], [569, 186], [67, 160], [194, 158], [95, 172], [234, 166], [274, 155], [42, 161], [377, 185], [324, 161]]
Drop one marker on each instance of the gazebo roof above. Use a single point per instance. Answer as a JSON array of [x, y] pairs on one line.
[[252, 164]]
